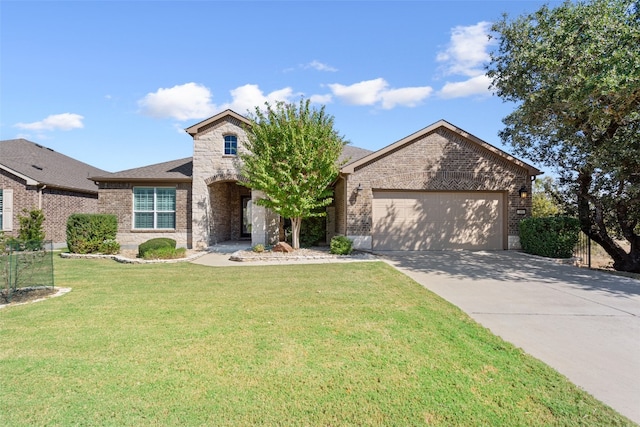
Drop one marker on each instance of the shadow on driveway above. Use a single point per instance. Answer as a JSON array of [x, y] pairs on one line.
[[510, 266]]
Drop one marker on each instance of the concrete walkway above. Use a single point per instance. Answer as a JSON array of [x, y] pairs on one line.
[[585, 324]]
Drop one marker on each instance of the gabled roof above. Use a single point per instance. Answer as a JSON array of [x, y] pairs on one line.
[[193, 130], [39, 165], [350, 167], [180, 170]]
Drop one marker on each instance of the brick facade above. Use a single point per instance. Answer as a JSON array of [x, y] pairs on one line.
[[440, 160], [56, 204], [117, 198]]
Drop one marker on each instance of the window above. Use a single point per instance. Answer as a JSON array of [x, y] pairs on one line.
[[154, 207], [230, 145]]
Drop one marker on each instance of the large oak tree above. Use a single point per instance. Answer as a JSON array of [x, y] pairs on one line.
[[292, 157], [574, 74]]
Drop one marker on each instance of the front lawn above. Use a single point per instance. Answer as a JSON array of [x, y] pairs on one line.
[[330, 344]]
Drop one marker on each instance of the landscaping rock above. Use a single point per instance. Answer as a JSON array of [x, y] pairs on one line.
[[282, 247]]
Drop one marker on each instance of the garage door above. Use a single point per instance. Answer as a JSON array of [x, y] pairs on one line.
[[437, 220]]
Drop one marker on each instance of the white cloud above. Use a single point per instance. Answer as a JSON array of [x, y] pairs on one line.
[[467, 51], [246, 98], [64, 121], [407, 97], [478, 85], [193, 101], [317, 65], [372, 92], [181, 102], [465, 55], [321, 99]]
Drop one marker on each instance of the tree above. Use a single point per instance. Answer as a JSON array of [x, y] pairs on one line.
[[292, 158], [544, 200], [31, 226], [574, 74]]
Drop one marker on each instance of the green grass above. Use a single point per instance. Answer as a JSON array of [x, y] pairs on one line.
[[330, 344]]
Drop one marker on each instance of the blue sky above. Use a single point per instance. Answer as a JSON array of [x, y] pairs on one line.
[[115, 83]]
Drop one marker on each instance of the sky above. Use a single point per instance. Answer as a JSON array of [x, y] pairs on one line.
[[115, 83]]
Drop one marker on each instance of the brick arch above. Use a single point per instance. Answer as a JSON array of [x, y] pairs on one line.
[[225, 176]]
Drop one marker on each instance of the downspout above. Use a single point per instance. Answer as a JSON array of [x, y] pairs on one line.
[[40, 195]]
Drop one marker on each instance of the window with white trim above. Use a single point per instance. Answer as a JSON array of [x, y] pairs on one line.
[[154, 208], [230, 145]]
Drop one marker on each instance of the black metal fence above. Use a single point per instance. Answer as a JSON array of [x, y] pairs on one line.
[[25, 265], [582, 250]]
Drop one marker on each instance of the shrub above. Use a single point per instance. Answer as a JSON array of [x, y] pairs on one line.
[[258, 248], [165, 252], [153, 244], [340, 245], [110, 246], [31, 232], [553, 237], [312, 231], [86, 233]]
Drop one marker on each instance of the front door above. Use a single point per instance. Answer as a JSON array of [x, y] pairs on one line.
[[245, 221]]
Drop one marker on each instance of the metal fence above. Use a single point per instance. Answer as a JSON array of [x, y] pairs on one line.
[[582, 250], [25, 265]]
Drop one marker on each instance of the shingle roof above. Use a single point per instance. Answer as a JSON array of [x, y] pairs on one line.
[[174, 170], [182, 169], [351, 154], [47, 167]]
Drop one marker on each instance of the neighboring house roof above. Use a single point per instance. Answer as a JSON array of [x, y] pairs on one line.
[[351, 154], [180, 170], [39, 165], [350, 167]]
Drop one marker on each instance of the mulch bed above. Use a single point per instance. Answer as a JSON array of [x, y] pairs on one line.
[[23, 295]]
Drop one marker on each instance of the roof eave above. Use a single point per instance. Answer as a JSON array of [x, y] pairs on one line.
[[193, 130], [29, 180], [137, 180]]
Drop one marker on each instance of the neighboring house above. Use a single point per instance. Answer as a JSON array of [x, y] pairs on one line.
[[36, 177], [439, 188]]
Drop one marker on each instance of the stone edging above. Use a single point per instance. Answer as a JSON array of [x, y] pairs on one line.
[[248, 256], [125, 260], [566, 261], [60, 292]]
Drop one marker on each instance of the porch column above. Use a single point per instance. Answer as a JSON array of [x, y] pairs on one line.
[[264, 222]]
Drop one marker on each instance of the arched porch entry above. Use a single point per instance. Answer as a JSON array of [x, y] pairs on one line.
[[234, 215]]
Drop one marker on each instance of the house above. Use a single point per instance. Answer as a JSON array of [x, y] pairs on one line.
[[36, 177], [439, 188]]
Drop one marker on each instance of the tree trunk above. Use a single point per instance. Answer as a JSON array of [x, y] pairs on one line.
[[295, 232], [593, 225]]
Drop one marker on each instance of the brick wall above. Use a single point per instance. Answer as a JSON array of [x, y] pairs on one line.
[[438, 161], [117, 198], [56, 206]]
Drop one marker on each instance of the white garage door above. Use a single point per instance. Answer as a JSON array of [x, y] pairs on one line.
[[422, 221]]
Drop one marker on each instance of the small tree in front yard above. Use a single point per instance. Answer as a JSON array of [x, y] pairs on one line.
[[292, 158]]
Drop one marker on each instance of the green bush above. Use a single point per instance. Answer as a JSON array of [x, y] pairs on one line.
[[165, 252], [87, 232], [553, 237], [153, 244], [258, 248], [340, 245], [110, 246], [312, 231], [31, 232]]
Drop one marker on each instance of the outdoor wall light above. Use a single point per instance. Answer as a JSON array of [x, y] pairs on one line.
[[359, 188], [523, 192]]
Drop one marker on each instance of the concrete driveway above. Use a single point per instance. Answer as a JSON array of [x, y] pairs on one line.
[[585, 324]]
